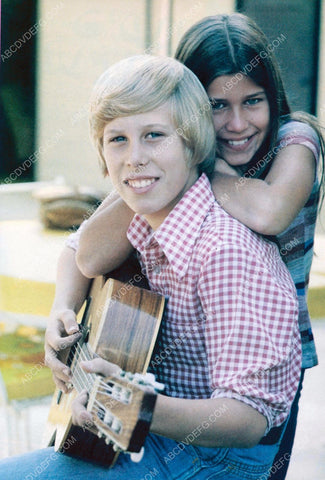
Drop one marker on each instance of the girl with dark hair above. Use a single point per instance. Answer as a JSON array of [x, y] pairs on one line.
[[233, 45], [273, 185]]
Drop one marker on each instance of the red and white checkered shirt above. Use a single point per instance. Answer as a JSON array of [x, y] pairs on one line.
[[230, 326]]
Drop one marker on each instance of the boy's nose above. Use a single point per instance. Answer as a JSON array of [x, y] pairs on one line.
[[137, 155]]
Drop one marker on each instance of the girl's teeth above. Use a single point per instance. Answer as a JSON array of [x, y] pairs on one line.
[[141, 183], [237, 142]]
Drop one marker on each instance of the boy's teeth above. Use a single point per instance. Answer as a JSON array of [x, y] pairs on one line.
[[141, 183], [238, 142]]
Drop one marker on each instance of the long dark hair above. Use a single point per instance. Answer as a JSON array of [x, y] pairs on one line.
[[234, 45]]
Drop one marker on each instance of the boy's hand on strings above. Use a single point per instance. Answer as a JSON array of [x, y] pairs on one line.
[[99, 366], [80, 416], [61, 333]]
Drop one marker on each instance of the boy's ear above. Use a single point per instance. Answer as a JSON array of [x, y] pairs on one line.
[[103, 165], [104, 168]]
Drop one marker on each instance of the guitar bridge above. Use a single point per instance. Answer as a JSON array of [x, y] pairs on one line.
[[112, 422], [121, 404], [117, 392], [103, 411]]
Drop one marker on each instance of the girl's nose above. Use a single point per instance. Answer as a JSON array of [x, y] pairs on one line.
[[237, 121]]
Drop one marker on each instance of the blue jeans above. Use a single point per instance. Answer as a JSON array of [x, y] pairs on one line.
[[164, 459]]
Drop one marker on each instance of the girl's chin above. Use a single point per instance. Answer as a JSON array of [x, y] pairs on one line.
[[237, 162], [238, 159]]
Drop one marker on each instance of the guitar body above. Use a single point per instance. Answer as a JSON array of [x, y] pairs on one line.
[[122, 321]]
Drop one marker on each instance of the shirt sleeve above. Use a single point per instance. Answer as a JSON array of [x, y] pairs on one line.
[[298, 133], [252, 337], [74, 238]]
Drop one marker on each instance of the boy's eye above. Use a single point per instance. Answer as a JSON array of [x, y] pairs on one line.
[[118, 139], [154, 134]]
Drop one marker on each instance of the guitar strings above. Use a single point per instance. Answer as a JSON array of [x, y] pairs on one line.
[[86, 380], [72, 352], [81, 379], [101, 411]]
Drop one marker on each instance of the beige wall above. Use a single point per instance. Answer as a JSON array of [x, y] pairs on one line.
[[78, 39], [188, 12], [75, 46]]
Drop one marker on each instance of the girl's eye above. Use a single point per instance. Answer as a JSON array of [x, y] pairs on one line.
[[217, 105], [254, 101]]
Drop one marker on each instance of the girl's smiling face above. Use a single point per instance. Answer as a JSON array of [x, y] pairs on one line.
[[241, 116]]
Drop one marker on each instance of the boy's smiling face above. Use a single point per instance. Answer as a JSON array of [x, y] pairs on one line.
[[147, 162]]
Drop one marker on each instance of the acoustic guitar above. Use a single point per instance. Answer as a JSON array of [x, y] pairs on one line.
[[120, 324]]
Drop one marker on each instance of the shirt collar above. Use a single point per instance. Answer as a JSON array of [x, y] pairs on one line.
[[178, 233]]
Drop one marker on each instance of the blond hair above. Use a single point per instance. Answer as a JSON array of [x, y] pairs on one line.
[[143, 83]]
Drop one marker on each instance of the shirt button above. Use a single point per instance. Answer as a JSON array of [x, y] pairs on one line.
[[157, 269]]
